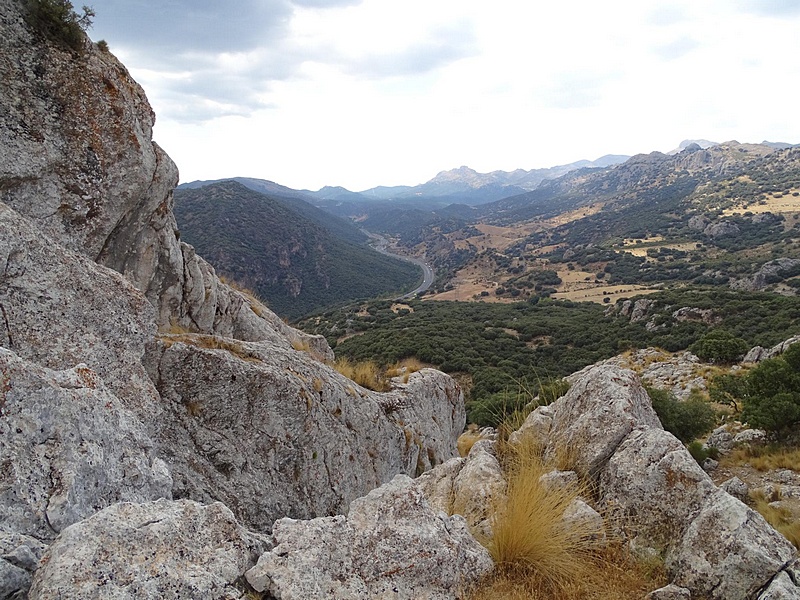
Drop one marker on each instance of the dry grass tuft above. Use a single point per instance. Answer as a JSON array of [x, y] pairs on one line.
[[779, 517], [211, 342], [467, 440], [540, 555], [531, 539], [764, 458], [366, 374], [301, 345], [404, 367]]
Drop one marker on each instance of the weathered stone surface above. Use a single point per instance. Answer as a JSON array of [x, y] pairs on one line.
[[604, 404], [392, 544], [68, 448], [653, 488], [728, 551], [770, 272], [721, 229], [582, 515], [537, 426], [736, 488], [60, 309], [785, 585], [19, 558], [669, 592], [162, 549], [249, 417], [471, 487], [77, 158], [721, 439]]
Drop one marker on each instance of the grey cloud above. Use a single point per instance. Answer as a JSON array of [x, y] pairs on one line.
[[442, 46], [192, 25]]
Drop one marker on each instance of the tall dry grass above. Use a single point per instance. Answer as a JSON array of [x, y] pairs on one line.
[[778, 517], [366, 374]]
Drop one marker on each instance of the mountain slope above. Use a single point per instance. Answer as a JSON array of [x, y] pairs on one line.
[[294, 264]]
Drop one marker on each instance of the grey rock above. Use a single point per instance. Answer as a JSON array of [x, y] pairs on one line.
[[782, 587], [721, 439], [640, 308], [768, 273], [537, 425], [471, 487], [560, 480], [580, 514], [698, 223], [14, 581], [728, 551], [736, 488], [601, 408], [652, 488], [61, 309], [755, 354], [703, 315], [155, 550], [392, 544], [721, 229], [750, 437], [710, 465], [248, 416], [670, 592], [69, 448]]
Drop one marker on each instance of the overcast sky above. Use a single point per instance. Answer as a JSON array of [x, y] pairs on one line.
[[360, 93]]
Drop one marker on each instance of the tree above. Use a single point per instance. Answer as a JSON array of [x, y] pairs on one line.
[[58, 21]]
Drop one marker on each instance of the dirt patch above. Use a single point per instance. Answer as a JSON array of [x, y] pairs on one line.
[[598, 294], [396, 308]]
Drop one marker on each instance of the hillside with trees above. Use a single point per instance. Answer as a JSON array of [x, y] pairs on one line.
[[294, 264]]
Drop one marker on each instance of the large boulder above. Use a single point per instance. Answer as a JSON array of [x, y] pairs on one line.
[[162, 549], [392, 544], [245, 417], [603, 405], [472, 487]]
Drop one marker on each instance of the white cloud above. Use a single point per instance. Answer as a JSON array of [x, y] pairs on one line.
[[338, 92]]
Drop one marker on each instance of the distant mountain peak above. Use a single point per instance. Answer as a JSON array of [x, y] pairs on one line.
[[701, 145]]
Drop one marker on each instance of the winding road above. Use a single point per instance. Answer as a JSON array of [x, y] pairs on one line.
[[381, 244]]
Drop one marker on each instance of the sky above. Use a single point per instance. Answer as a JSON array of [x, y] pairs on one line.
[[361, 93]]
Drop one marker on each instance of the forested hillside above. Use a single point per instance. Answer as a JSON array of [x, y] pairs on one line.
[[292, 263]]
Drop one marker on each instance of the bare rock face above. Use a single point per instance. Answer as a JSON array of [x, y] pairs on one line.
[[392, 544], [272, 432], [600, 409], [68, 448], [77, 158], [162, 549], [60, 309], [471, 487]]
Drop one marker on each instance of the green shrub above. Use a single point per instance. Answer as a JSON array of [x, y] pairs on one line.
[[685, 420], [58, 21], [719, 346]]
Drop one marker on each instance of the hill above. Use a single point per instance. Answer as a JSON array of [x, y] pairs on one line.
[[296, 265]]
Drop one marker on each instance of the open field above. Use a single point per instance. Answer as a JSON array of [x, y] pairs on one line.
[[774, 203], [598, 294]]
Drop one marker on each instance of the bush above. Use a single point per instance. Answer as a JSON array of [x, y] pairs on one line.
[[772, 393], [58, 21], [685, 420], [719, 346]]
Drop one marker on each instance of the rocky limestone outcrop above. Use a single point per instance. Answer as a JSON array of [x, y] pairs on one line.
[[78, 160], [241, 408], [250, 416], [391, 544], [759, 353], [472, 487], [162, 549], [769, 273], [68, 448], [656, 496]]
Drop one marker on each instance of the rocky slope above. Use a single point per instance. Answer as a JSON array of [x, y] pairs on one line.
[[128, 371]]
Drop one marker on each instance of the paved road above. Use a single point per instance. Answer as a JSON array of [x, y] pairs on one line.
[[381, 244]]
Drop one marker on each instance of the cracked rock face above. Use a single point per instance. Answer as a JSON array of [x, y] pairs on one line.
[[392, 544], [273, 433], [162, 549]]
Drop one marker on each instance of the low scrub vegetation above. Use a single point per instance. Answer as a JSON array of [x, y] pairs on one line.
[[686, 420], [58, 21]]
